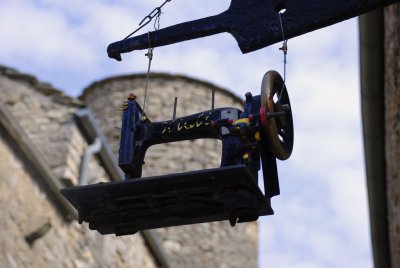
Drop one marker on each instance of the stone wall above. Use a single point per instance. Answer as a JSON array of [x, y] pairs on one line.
[[392, 123], [47, 116], [27, 207], [214, 244]]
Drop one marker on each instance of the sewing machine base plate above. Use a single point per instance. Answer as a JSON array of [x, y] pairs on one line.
[[125, 207]]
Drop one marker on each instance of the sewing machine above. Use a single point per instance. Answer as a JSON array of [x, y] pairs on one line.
[[263, 130]]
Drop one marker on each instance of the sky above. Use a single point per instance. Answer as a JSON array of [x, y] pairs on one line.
[[321, 215]]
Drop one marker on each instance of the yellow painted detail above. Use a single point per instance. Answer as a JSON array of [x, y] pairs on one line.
[[257, 136], [144, 118], [246, 156], [185, 125], [179, 126], [242, 120]]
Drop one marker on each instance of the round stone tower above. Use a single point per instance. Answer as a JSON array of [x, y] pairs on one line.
[[214, 244]]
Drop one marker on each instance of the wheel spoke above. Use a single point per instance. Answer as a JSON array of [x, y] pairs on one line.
[[279, 130], [282, 135]]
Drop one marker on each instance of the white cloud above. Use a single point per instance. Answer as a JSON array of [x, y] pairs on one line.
[[40, 35]]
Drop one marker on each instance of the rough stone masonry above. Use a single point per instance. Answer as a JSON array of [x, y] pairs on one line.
[[392, 127]]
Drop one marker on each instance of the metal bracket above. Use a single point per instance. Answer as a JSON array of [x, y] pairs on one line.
[[254, 24]]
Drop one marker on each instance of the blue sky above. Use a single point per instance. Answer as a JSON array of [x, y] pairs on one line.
[[321, 216]]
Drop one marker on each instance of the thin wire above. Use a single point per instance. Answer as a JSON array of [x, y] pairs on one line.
[[155, 13], [150, 56], [284, 49], [157, 20]]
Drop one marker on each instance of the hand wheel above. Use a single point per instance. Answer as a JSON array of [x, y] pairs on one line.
[[276, 115]]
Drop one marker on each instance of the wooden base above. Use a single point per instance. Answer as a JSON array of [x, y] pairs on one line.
[[125, 207]]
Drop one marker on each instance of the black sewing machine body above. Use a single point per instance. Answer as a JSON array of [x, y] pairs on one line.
[[230, 192], [230, 125]]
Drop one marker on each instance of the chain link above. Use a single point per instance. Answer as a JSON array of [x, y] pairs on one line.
[[146, 20]]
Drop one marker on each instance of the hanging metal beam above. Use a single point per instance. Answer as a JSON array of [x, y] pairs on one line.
[[254, 23]]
